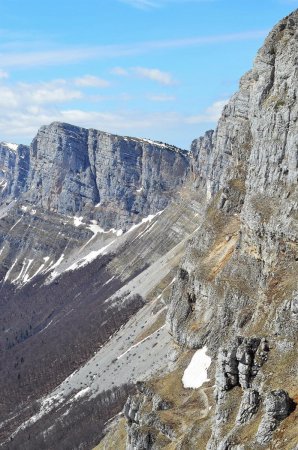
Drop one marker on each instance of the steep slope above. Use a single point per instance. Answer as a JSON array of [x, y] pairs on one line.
[[76, 296], [74, 185], [236, 291], [96, 328]]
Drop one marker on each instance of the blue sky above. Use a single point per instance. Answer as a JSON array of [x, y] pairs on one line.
[[158, 69]]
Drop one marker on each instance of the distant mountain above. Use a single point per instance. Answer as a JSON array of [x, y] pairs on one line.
[[86, 238], [149, 295]]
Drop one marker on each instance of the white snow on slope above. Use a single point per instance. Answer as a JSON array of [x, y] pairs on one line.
[[196, 372], [77, 221], [11, 146], [145, 220], [9, 271], [88, 258]]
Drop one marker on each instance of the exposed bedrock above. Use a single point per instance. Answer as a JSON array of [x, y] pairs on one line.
[[236, 288]]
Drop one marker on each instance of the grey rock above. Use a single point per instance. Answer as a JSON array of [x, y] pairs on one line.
[[116, 180], [14, 170], [249, 406], [240, 363], [278, 406]]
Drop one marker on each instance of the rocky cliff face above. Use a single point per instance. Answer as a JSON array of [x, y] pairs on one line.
[[14, 169], [102, 297], [115, 180], [236, 290], [73, 184]]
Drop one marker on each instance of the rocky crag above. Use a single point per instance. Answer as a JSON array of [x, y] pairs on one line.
[[88, 250], [113, 179], [212, 252], [236, 289]]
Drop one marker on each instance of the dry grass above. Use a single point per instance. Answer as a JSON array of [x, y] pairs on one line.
[[263, 206], [222, 249], [115, 438], [246, 433], [189, 413], [286, 436]]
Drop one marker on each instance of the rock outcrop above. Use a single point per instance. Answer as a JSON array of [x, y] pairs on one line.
[[14, 169], [115, 180], [236, 290]]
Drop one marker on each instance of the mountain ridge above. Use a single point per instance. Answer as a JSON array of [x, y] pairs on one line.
[[209, 270]]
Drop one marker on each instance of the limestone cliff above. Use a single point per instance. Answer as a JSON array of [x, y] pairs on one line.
[[14, 169], [116, 180], [236, 291]]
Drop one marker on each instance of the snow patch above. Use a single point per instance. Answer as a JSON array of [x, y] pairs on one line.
[[145, 220], [82, 393], [9, 271], [77, 221], [107, 282], [196, 372], [11, 146], [88, 258], [15, 224]]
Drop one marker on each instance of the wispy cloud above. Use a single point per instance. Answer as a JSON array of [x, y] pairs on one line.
[[25, 107], [157, 75], [151, 4], [211, 114], [91, 81], [152, 74], [3, 74], [141, 4], [76, 54], [31, 94], [120, 71]]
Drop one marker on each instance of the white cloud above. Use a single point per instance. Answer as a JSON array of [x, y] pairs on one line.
[[73, 55], [24, 94], [141, 4], [211, 114], [20, 123], [150, 4], [24, 124], [120, 71], [157, 75], [154, 75], [91, 81], [3, 74]]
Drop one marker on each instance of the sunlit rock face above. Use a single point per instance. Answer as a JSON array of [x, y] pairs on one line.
[[236, 289], [14, 170], [116, 179]]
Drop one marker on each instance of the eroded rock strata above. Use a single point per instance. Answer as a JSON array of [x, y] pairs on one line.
[[104, 238], [236, 289]]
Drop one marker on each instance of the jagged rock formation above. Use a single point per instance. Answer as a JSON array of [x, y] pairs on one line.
[[115, 180], [236, 290], [14, 169], [109, 181], [82, 314]]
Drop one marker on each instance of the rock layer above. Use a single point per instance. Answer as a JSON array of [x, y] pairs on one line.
[[116, 180], [236, 289]]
